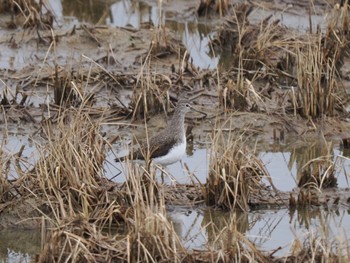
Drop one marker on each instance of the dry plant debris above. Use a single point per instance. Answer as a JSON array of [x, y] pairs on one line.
[[66, 190]]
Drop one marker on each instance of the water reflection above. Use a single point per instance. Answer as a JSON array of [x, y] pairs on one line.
[[268, 229], [85, 11], [126, 13], [291, 20], [195, 36], [19, 245], [286, 163]]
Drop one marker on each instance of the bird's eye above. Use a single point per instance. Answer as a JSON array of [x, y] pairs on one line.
[[187, 105]]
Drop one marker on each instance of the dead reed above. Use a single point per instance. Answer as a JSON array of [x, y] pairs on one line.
[[318, 88], [73, 197], [337, 35], [319, 246], [235, 171], [253, 47], [5, 186], [316, 168], [152, 235], [78, 204], [63, 89], [68, 173], [256, 51], [150, 95], [69, 88], [226, 240], [208, 7], [316, 171], [29, 14], [147, 234], [318, 60], [240, 96]]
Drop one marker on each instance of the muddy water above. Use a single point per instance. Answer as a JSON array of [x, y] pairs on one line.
[[267, 228]]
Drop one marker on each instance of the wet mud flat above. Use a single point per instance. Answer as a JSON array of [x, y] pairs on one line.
[[74, 95]]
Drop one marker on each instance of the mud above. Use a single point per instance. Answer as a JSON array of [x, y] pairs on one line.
[[107, 61]]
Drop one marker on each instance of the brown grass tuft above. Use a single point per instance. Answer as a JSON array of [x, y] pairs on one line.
[[319, 92], [5, 185], [234, 172], [316, 167], [29, 14], [150, 96], [68, 173]]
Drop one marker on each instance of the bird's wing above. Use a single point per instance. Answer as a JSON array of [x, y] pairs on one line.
[[163, 147], [160, 145]]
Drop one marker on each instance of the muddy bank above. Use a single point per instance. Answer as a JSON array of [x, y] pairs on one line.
[[81, 92]]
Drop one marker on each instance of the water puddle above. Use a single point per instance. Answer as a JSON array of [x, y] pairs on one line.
[[267, 229], [18, 245], [299, 22], [196, 34], [282, 162]]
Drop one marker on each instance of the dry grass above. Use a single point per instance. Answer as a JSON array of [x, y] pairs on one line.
[[81, 211], [316, 168], [240, 96], [28, 14], [316, 171], [318, 88], [152, 235], [228, 244], [235, 171], [69, 88], [254, 47], [256, 53], [68, 173], [5, 186], [207, 7], [318, 60], [77, 203], [267, 51], [319, 247], [73, 196], [150, 95]]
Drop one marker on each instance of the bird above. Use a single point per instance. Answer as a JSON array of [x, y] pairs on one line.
[[169, 145]]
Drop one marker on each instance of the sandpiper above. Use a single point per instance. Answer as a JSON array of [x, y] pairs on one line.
[[169, 145]]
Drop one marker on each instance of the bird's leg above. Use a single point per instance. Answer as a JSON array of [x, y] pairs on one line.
[[165, 172], [162, 176], [161, 173]]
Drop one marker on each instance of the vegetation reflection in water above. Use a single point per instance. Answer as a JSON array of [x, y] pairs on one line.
[[17, 245], [195, 36], [268, 229]]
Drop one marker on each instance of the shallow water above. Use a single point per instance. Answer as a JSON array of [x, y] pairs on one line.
[[196, 34], [283, 163], [267, 228], [18, 245]]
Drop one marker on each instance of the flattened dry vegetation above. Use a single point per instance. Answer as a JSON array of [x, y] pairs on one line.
[[286, 81]]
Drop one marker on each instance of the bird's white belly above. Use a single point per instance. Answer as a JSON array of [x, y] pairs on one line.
[[174, 155]]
